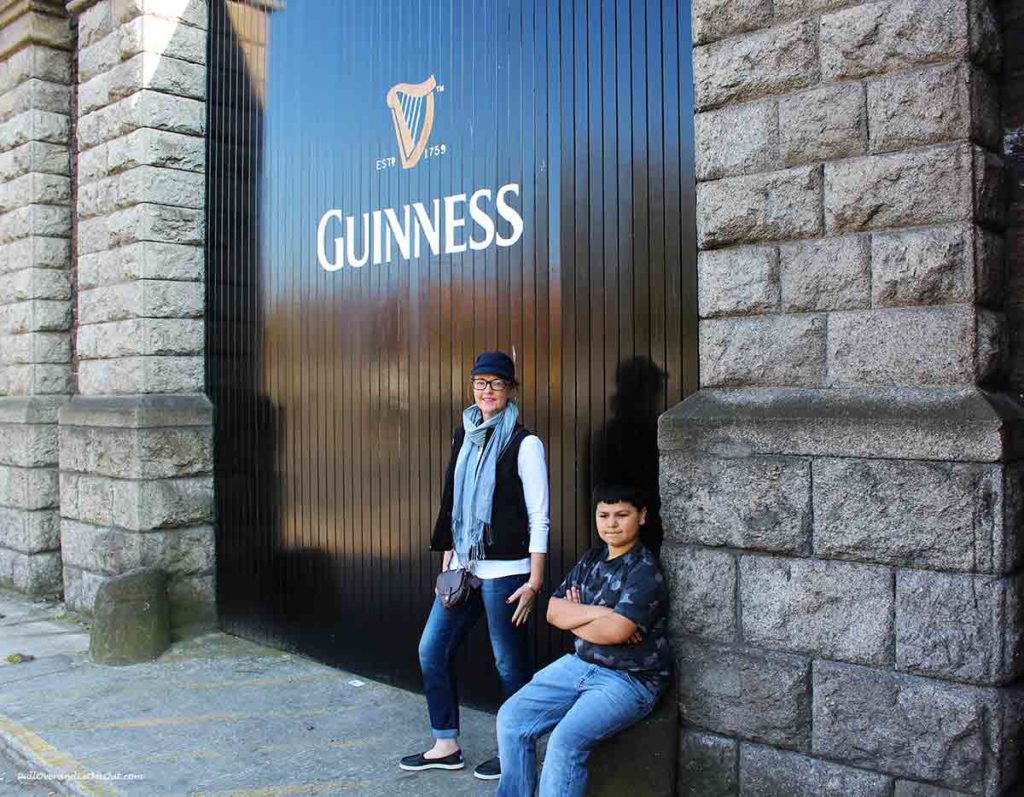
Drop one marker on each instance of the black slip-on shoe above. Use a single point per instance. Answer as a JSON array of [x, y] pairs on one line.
[[489, 769], [415, 763]]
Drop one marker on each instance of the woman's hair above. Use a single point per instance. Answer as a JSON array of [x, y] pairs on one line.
[[614, 493]]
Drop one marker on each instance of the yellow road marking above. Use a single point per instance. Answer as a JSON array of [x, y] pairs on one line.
[[50, 758]]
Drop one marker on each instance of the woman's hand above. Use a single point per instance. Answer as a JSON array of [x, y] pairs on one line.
[[526, 595]]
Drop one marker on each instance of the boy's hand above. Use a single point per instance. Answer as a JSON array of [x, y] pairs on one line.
[[636, 639], [574, 595]]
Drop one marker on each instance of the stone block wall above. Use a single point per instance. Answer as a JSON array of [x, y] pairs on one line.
[[35, 286], [136, 486], [842, 498]]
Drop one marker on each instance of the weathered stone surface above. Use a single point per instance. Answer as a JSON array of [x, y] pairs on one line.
[[140, 337], [35, 125], [29, 531], [707, 766], [35, 94], [991, 189], [35, 220], [130, 620], [134, 453], [132, 375], [909, 788], [764, 697], [109, 551], [652, 744], [763, 351], [141, 261], [28, 488], [928, 186], [771, 61], [931, 265], [952, 424], [964, 627], [42, 189], [826, 274], [832, 609], [34, 251], [906, 346], [35, 380], [930, 106], [136, 505], [144, 35], [143, 184], [143, 109], [35, 61], [919, 514], [986, 39], [35, 283], [145, 222], [822, 124], [35, 315], [94, 23], [28, 445], [36, 347], [759, 207], [138, 412], [990, 250], [143, 71], [193, 605], [738, 281], [766, 772], [191, 13], [31, 574], [80, 588], [702, 585], [740, 139], [760, 503], [145, 147], [141, 299], [35, 156], [891, 36], [903, 725], [713, 19]]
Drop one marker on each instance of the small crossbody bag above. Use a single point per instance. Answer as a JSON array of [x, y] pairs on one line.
[[453, 586]]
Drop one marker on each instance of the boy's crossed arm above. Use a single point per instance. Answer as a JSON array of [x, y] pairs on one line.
[[599, 625]]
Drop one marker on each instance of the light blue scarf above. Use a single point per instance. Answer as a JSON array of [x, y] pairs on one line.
[[474, 487]]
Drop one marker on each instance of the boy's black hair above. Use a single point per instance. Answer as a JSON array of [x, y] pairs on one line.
[[613, 493]]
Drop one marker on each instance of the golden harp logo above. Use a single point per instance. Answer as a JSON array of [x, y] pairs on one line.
[[412, 111]]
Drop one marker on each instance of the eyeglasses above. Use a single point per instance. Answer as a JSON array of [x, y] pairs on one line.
[[497, 385]]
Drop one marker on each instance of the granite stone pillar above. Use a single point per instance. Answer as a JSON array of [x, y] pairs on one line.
[[35, 288], [842, 498], [135, 441]]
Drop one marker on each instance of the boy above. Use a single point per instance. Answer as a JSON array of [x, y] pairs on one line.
[[615, 601]]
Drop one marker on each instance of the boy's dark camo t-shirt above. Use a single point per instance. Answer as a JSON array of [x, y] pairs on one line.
[[630, 585]]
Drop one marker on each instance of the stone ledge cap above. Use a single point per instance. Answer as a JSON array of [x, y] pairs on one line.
[[30, 409], [138, 411], [965, 424]]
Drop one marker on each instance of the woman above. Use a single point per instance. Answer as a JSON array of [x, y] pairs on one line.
[[493, 521]]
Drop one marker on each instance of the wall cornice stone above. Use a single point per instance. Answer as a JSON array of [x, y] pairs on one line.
[[25, 22]]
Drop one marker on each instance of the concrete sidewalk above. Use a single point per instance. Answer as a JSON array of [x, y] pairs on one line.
[[215, 715]]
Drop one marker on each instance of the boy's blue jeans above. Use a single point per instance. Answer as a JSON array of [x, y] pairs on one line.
[[584, 703], [444, 633]]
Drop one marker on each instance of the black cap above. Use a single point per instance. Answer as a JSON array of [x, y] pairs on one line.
[[497, 363]]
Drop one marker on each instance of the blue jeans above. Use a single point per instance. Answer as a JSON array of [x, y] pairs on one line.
[[584, 703], [444, 633]]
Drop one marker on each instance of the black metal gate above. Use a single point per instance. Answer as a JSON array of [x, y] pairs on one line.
[[530, 186]]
